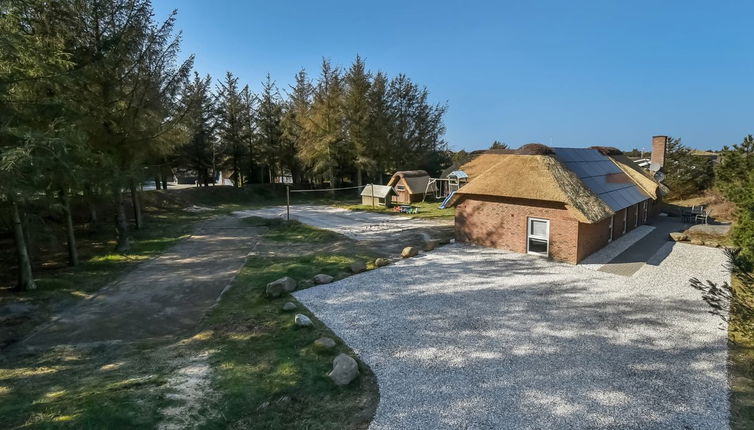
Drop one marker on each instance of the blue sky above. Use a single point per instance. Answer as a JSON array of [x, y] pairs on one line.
[[566, 73]]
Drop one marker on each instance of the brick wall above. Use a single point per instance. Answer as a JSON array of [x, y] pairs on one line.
[[592, 237], [502, 223]]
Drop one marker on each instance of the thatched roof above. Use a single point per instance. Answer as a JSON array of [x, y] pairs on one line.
[[642, 179], [416, 180], [481, 163], [534, 177]]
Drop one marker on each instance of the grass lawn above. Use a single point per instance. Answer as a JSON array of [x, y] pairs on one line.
[[262, 371], [741, 369], [426, 210], [292, 231]]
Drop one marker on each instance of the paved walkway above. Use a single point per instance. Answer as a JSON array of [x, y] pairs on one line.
[[632, 259], [161, 297], [476, 338]]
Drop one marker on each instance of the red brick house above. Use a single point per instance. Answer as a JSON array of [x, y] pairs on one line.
[[564, 203]]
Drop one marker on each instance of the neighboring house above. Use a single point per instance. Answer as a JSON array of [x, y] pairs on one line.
[[565, 203], [377, 195], [410, 186]]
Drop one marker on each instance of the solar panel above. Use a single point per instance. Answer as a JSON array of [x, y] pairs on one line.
[[603, 177]]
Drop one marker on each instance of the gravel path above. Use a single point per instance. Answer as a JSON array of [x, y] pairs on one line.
[[469, 337], [357, 225]]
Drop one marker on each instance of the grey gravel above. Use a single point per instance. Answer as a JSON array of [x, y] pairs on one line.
[[469, 337]]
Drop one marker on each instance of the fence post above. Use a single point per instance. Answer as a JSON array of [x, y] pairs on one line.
[[287, 202]]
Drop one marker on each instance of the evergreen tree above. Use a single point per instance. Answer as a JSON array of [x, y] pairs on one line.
[[199, 152], [498, 145], [294, 124], [269, 129], [686, 174], [325, 125], [379, 126], [734, 176], [357, 119], [233, 128]]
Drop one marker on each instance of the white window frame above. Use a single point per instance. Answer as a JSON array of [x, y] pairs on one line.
[[529, 235], [625, 219], [612, 223], [400, 188], [636, 220]]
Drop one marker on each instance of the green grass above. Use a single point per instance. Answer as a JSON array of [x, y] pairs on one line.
[[265, 373], [292, 231], [263, 357], [426, 210], [741, 368]]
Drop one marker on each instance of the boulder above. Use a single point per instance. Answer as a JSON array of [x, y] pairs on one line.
[[324, 344], [302, 320], [431, 244], [712, 244], [278, 287], [345, 369], [289, 306], [380, 262], [358, 267], [409, 251], [697, 242], [322, 279], [678, 236]]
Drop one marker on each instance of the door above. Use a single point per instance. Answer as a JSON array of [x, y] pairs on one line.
[[538, 237]]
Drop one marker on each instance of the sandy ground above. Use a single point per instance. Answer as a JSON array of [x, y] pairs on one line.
[[469, 337], [164, 296]]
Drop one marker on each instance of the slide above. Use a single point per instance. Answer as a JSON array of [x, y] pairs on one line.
[[447, 199]]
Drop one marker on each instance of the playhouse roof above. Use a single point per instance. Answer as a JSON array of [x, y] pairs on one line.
[[380, 191], [416, 180]]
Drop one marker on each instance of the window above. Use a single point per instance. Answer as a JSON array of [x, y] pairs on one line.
[[636, 218], [625, 219], [538, 237], [400, 188], [610, 228]]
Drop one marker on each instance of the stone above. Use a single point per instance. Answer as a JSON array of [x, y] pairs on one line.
[[324, 344], [380, 262], [358, 267], [678, 236], [278, 287], [431, 244], [697, 242], [302, 320], [409, 251], [289, 306], [712, 244], [345, 369], [322, 279]]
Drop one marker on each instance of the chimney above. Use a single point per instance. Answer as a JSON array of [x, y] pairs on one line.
[[659, 150]]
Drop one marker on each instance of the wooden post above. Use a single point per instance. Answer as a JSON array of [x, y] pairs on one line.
[[287, 202], [372, 185]]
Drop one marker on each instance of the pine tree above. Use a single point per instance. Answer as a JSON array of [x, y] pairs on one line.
[[269, 128], [296, 115], [379, 130], [356, 110], [233, 128], [734, 176], [325, 125], [198, 153]]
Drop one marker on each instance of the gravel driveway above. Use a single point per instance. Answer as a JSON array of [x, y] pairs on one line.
[[469, 337], [354, 224]]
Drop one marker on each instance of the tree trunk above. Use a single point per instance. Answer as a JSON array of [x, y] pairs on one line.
[[121, 222], [136, 203], [25, 278], [157, 182], [92, 203], [164, 182], [73, 256]]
